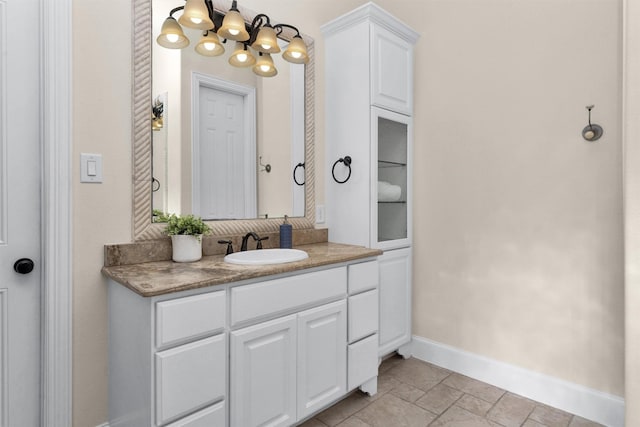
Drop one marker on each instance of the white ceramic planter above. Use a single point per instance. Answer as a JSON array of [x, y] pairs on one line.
[[186, 248]]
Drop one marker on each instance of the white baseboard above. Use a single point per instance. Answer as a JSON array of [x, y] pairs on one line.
[[103, 425], [585, 402]]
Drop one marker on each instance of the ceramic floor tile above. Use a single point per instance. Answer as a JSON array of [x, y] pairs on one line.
[[473, 404], [475, 388], [550, 417], [407, 392], [313, 423], [353, 422], [419, 374], [581, 422], [343, 409], [390, 410], [511, 410], [389, 363], [458, 417], [413, 393], [386, 383], [439, 398]]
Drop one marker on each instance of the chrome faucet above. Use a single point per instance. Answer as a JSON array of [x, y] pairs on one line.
[[257, 238]]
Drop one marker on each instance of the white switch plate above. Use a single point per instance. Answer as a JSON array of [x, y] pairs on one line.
[[320, 214], [90, 167]]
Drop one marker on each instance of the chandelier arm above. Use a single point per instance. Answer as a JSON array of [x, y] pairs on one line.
[[280, 28], [174, 10], [253, 30]]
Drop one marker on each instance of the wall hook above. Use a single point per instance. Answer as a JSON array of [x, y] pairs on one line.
[[347, 162], [592, 132], [266, 168]]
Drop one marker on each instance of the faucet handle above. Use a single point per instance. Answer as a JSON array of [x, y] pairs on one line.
[[260, 239], [229, 244]]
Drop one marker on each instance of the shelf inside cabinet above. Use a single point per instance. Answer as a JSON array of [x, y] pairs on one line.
[[392, 202], [389, 164]]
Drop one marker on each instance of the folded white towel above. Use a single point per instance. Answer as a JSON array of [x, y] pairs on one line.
[[388, 192]]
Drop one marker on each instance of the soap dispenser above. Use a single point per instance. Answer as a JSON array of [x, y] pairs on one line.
[[286, 231]]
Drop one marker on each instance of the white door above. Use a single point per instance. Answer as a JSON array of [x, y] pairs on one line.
[[225, 190], [322, 356], [20, 117], [263, 374]]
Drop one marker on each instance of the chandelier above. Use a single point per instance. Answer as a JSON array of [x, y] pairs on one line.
[[255, 43]]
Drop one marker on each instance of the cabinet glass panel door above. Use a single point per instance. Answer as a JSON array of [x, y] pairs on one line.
[[392, 186]]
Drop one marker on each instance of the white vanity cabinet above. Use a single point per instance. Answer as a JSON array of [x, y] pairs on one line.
[[369, 98], [167, 359], [270, 351]]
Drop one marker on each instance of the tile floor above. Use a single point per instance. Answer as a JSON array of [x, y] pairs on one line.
[[415, 393]]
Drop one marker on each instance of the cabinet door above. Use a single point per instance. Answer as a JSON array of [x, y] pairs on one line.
[[190, 377], [395, 299], [391, 189], [391, 71], [263, 374], [322, 356]]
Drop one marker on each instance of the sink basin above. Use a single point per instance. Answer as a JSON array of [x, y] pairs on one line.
[[266, 256]]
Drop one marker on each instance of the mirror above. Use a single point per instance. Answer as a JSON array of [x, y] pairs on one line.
[[143, 228]]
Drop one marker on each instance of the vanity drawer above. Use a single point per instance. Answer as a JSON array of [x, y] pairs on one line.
[[363, 276], [362, 361], [280, 296], [181, 319], [213, 416], [363, 315], [189, 377]]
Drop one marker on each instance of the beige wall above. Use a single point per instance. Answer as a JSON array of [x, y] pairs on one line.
[[101, 212], [518, 221], [518, 233]]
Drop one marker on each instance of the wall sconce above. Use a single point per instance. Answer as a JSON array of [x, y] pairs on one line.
[[157, 109], [260, 36]]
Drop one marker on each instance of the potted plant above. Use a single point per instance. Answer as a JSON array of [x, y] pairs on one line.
[[186, 236]]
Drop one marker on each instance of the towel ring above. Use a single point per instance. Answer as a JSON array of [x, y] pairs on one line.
[[155, 184], [347, 162], [294, 173]]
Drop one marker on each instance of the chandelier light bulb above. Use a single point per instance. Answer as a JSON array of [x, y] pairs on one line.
[[171, 36], [196, 15], [296, 52], [209, 45], [242, 56], [233, 26], [266, 40], [264, 67]]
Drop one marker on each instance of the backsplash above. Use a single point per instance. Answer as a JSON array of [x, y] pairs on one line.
[[160, 249]]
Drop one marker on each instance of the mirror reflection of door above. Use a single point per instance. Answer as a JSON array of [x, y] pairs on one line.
[[224, 166]]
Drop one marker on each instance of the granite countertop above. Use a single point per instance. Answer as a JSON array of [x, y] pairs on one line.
[[163, 277]]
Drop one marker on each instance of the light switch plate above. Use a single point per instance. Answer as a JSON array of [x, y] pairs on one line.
[[320, 214], [90, 167]]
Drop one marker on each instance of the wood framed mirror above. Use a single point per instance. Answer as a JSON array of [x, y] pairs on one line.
[[143, 227]]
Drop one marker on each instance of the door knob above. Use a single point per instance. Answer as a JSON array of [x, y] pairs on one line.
[[23, 266]]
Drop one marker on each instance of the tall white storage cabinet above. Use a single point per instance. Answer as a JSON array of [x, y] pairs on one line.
[[369, 99]]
